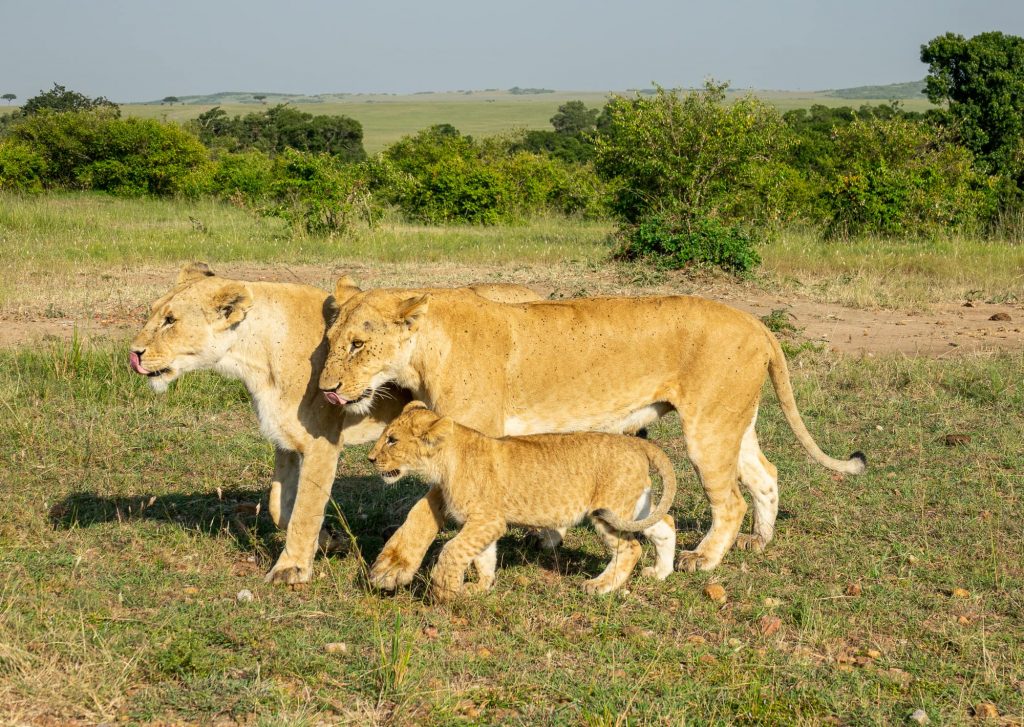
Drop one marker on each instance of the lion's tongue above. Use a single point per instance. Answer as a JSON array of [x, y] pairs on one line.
[[136, 365], [333, 398]]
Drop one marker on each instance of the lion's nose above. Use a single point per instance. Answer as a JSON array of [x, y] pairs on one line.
[[372, 457]]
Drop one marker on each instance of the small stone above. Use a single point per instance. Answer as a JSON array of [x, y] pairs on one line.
[[190, 590], [483, 652], [734, 643], [862, 661], [919, 716], [336, 647], [962, 620], [986, 710], [912, 559], [873, 654], [244, 596], [430, 632], [770, 624], [771, 602], [708, 659], [899, 675], [1000, 316], [960, 593], [854, 589], [715, 592], [696, 639]]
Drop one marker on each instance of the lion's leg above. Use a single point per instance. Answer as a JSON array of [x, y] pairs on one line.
[[485, 563], [663, 535], [761, 479], [284, 486], [316, 476], [402, 554], [475, 537], [714, 451], [625, 553]]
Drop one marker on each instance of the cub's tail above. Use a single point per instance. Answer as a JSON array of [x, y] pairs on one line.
[[660, 461]]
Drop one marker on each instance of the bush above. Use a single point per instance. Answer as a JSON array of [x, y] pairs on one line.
[[97, 150], [702, 242], [244, 179], [898, 177], [21, 168]]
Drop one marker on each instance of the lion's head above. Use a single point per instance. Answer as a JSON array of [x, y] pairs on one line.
[[371, 342], [190, 328], [411, 443]]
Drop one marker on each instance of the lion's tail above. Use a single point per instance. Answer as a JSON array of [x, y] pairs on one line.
[[660, 461], [779, 372]]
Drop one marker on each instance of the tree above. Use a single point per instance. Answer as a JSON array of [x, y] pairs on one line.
[[574, 117], [261, 98], [60, 99], [8, 97], [170, 99], [982, 80]]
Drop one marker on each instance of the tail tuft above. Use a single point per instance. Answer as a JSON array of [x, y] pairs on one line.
[[603, 514], [860, 457]]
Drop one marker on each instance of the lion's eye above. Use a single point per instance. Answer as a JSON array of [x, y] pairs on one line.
[[390, 441], [356, 345], [169, 320]]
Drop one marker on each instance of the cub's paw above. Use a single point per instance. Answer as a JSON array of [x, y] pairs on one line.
[[653, 572], [480, 586], [291, 575], [749, 541], [693, 561], [390, 571], [440, 593], [544, 538], [598, 585]]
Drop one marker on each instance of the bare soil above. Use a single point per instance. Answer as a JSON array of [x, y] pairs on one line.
[[112, 303]]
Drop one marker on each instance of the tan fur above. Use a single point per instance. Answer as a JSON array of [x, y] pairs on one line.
[[271, 337], [488, 484], [604, 364]]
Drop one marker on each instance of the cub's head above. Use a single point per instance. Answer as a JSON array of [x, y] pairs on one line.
[[190, 328], [411, 444], [371, 341]]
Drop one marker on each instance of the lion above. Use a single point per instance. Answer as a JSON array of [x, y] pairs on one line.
[[271, 337], [489, 483], [602, 364]]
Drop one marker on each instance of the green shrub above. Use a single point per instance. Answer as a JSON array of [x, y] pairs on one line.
[[667, 242], [244, 178], [21, 168], [893, 176]]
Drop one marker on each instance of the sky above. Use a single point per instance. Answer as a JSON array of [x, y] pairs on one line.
[[137, 50]]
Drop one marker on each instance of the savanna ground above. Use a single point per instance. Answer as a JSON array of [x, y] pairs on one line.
[[134, 520]]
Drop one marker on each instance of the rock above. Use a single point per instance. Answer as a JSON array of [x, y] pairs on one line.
[[986, 710], [430, 632], [960, 593], [962, 620], [956, 440], [919, 716], [244, 596], [715, 592], [854, 589], [771, 602], [873, 654], [708, 659], [483, 652], [769, 625], [336, 647], [190, 590], [1000, 316], [696, 639], [734, 643]]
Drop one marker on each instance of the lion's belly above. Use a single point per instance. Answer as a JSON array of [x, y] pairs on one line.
[[627, 420]]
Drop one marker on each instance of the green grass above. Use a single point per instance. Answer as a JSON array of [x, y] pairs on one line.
[[123, 547], [387, 118]]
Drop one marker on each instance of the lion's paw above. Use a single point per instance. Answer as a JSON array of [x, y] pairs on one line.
[[652, 572], [390, 572], [693, 561], [598, 585], [291, 575], [749, 541]]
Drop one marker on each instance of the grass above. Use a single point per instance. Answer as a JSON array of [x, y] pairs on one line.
[[129, 528], [387, 118]]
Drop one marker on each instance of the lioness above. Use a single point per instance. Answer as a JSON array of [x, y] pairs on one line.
[[605, 364], [271, 337], [542, 481]]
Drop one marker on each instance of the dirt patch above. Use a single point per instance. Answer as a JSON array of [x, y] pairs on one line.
[[114, 302]]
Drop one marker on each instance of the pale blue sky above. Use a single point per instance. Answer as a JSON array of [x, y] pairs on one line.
[[132, 50]]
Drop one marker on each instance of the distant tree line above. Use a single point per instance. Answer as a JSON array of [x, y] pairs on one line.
[[692, 177]]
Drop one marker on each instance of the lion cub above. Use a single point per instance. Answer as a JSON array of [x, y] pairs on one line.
[[543, 481]]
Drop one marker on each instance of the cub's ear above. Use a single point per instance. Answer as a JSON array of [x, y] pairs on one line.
[[414, 405], [193, 272], [345, 288], [232, 302], [439, 431], [411, 310]]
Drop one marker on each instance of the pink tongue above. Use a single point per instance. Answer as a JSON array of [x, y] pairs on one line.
[[136, 365], [333, 398]]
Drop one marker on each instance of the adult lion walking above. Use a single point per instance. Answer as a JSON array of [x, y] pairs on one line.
[[604, 364]]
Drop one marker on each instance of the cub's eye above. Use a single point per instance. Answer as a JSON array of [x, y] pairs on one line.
[[169, 320], [356, 345], [390, 441]]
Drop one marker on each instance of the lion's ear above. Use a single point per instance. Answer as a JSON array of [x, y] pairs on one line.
[[193, 272], [411, 310], [439, 431], [412, 405], [344, 289], [232, 302]]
